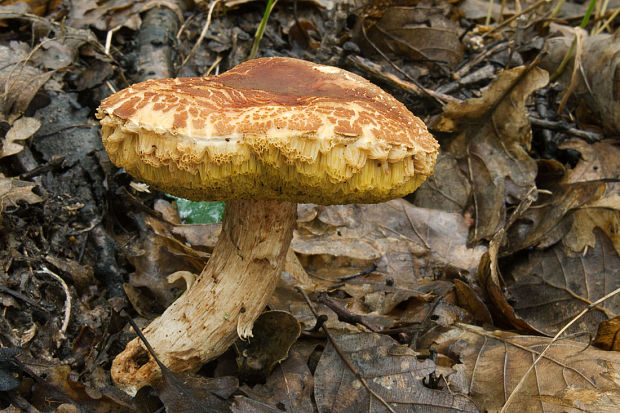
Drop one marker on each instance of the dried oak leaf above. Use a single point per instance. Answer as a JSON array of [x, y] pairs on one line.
[[579, 200], [539, 291], [599, 161], [22, 129], [13, 190], [19, 80], [289, 386], [391, 370], [492, 136], [597, 80], [273, 334], [570, 378], [548, 288], [423, 32]]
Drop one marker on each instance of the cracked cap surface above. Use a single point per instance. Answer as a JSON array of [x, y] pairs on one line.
[[271, 128]]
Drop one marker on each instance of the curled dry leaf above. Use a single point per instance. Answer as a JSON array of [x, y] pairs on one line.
[[422, 32], [599, 161], [571, 377], [400, 238], [23, 128], [597, 82], [550, 217], [273, 334], [447, 189], [548, 288], [13, 190], [578, 204], [492, 137], [160, 254], [608, 335], [290, 385], [19, 80], [391, 370]]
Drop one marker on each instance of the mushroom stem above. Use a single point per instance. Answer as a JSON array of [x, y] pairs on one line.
[[225, 299]]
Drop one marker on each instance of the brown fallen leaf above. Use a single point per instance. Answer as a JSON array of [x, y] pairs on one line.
[[158, 254], [571, 377], [447, 189], [391, 370], [472, 302], [422, 31], [22, 129], [38, 7], [548, 288], [55, 384], [14, 190], [608, 335], [273, 334], [400, 238], [492, 136], [290, 385], [599, 161], [19, 80], [550, 218], [597, 80], [576, 202]]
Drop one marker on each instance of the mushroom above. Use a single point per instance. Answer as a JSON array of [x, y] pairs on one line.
[[263, 136]]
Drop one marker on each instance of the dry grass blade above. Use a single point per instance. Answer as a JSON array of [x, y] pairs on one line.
[[203, 33], [579, 34]]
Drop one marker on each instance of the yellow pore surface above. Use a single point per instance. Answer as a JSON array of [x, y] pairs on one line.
[[300, 168]]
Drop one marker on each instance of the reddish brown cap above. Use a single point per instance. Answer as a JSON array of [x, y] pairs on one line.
[[271, 128]]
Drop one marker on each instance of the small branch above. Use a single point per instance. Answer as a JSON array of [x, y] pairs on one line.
[[341, 354], [345, 315], [367, 271], [65, 322], [563, 127], [54, 163]]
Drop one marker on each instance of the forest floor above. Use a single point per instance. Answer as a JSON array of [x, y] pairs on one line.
[[494, 286]]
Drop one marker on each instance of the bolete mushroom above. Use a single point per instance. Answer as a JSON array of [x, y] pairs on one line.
[[264, 135]]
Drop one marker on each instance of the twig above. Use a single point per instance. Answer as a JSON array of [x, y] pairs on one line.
[[342, 355], [562, 127], [108, 39], [203, 33], [554, 339], [345, 315], [482, 56], [367, 271], [23, 298], [517, 15], [54, 163], [438, 97], [65, 322]]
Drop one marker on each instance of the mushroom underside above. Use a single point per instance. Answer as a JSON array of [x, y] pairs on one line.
[[223, 302]]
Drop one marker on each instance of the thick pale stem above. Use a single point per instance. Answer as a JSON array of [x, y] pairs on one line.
[[224, 301]]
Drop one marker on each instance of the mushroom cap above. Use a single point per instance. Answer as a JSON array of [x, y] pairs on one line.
[[272, 129]]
